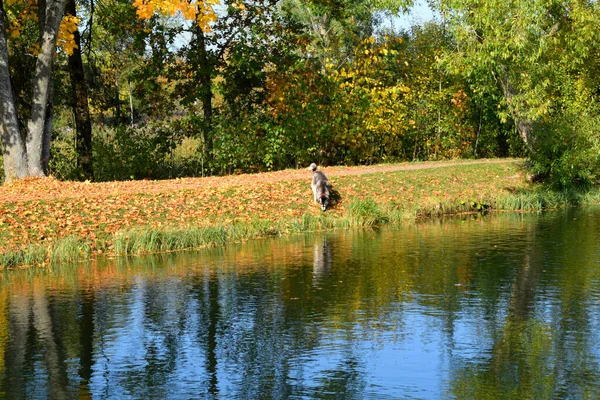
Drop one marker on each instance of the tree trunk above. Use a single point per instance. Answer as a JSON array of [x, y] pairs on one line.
[[47, 134], [478, 131], [131, 119], [117, 101], [525, 129], [83, 123], [524, 126], [41, 87], [13, 149], [204, 76]]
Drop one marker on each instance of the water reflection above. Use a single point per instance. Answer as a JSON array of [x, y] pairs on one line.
[[501, 308], [323, 251]]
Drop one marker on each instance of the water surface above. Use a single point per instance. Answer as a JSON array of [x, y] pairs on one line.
[[503, 306]]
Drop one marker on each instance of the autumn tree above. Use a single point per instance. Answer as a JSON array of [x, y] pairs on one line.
[[200, 58], [300, 108]]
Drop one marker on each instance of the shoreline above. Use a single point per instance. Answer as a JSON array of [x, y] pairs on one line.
[[65, 223]]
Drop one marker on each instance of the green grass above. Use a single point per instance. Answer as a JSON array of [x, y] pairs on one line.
[[70, 249], [366, 213], [542, 199], [362, 213], [30, 255], [141, 241]]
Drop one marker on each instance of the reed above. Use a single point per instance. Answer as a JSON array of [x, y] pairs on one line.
[[29, 255], [70, 249]]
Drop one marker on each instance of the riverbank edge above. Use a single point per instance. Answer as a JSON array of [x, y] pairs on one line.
[[360, 213]]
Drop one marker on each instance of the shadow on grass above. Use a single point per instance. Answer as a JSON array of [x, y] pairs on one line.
[[334, 198]]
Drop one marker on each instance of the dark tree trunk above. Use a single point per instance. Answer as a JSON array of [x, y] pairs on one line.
[[117, 102], [81, 110], [49, 117]]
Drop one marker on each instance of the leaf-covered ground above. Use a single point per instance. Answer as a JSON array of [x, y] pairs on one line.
[[42, 210]]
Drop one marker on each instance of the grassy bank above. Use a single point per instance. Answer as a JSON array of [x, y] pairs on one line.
[[77, 222]]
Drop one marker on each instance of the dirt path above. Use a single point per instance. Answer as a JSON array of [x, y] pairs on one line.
[[31, 189]]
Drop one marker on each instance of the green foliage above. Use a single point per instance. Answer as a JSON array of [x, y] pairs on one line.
[[249, 143], [542, 56], [390, 100], [154, 151], [568, 152], [133, 152]]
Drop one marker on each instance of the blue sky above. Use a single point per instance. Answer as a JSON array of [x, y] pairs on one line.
[[418, 14]]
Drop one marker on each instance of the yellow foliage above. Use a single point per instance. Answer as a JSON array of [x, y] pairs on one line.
[[21, 13], [200, 11], [34, 49], [18, 13], [66, 37]]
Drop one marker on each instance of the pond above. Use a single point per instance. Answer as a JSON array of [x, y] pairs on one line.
[[501, 306]]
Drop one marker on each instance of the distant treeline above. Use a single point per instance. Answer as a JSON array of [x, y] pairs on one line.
[[278, 84]]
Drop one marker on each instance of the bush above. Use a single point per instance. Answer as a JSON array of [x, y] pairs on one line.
[[567, 153], [152, 151]]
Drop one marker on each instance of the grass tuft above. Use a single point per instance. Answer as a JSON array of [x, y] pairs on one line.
[[366, 213], [142, 241], [70, 249], [30, 255]]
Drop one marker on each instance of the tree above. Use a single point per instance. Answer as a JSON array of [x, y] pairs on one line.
[[15, 161], [208, 48], [26, 149], [502, 40], [543, 57], [83, 123], [51, 12], [337, 27]]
